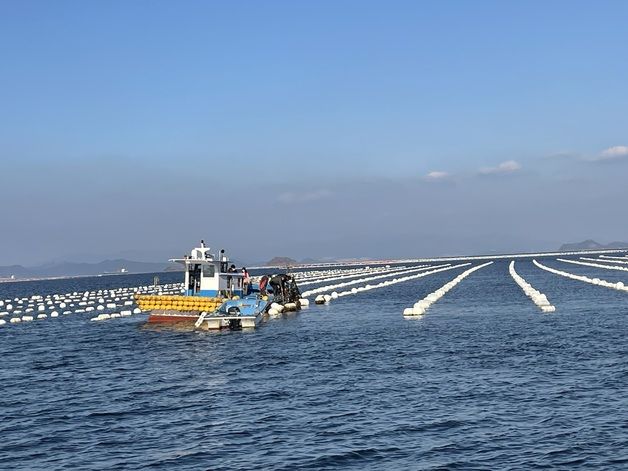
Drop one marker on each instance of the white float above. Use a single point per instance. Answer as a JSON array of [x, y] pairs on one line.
[[536, 296]]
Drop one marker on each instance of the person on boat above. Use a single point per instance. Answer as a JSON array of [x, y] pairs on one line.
[[263, 282], [246, 280], [277, 282], [223, 261], [232, 269]]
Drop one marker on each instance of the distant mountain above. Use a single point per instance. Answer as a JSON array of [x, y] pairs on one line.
[[592, 245], [86, 269], [14, 270], [281, 262]]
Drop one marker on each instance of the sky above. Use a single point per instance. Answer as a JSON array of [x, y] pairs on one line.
[[323, 129]]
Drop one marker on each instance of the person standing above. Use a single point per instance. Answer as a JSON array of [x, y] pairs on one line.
[[232, 269], [246, 281]]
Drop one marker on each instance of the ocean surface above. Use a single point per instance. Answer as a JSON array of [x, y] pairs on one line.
[[482, 381]]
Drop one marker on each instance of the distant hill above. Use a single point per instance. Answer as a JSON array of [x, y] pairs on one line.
[[592, 245], [16, 270], [85, 269], [281, 261]]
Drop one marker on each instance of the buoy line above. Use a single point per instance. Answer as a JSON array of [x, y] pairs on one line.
[[316, 273], [594, 281], [326, 288], [623, 257], [324, 299], [376, 272], [334, 273], [536, 296], [329, 275], [462, 258], [424, 304], [38, 307], [621, 262], [596, 265]]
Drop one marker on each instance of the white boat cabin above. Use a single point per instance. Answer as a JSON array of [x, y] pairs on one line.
[[207, 274]]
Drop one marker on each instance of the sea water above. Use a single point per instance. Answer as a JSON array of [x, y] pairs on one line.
[[483, 380]]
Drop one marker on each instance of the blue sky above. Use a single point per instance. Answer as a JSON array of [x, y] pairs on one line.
[[324, 129]]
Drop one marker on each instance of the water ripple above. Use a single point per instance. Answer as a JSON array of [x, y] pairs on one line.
[[482, 382]]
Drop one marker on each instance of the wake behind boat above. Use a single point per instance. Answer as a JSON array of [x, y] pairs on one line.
[[217, 295]]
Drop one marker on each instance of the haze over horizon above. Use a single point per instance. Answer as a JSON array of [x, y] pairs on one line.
[[320, 129]]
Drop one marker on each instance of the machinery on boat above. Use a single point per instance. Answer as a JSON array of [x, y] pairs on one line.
[[217, 296]]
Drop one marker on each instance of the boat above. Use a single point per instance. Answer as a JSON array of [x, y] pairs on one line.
[[217, 296]]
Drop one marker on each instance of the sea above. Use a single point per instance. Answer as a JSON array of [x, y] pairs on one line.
[[483, 381]]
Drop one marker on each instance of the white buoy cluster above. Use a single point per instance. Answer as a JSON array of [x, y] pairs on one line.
[[596, 265], [326, 298], [621, 261], [594, 281], [277, 309], [536, 296], [326, 288], [424, 304], [39, 307], [372, 271]]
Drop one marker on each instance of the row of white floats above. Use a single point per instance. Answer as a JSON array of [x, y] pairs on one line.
[[319, 274], [594, 281], [605, 260], [624, 257], [536, 296], [324, 299], [327, 288], [526, 255], [424, 304], [373, 271], [596, 265], [515, 256], [115, 315]]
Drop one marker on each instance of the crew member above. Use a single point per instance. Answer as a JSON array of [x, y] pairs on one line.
[[246, 280], [278, 283], [232, 269], [263, 282]]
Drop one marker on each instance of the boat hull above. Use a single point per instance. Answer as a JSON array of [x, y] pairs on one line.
[[211, 322], [167, 316]]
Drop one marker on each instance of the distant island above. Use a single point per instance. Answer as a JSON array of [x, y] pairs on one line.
[[281, 262], [109, 267], [592, 245]]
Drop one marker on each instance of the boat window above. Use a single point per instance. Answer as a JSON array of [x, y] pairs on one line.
[[209, 271]]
